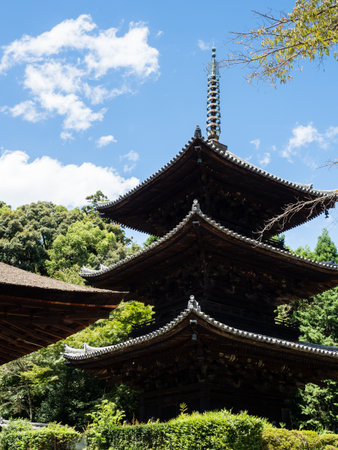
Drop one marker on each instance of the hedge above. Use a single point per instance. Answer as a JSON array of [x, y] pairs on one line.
[[283, 439], [20, 435], [210, 430]]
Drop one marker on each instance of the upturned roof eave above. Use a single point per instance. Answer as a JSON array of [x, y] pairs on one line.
[[220, 150], [89, 353], [148, 252]]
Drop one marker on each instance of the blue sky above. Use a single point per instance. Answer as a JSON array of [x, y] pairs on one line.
[[100, 95]]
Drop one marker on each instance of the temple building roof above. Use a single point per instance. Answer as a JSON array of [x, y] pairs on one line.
[[294, 276], [191, 324], [36, 311], [209, 171]]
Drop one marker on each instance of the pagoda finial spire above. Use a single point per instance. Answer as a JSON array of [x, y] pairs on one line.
[[213, 104]]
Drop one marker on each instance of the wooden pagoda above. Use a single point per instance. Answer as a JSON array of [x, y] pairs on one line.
[[224, 349]]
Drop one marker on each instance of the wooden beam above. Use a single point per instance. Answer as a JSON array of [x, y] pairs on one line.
[[10, 299]]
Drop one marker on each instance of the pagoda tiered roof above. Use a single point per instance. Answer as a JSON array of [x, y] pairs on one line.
[[199, 238], [233, 191], [36, 311], [219, 352], [193, 326]]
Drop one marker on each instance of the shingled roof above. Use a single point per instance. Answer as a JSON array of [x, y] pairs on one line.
[[96, 357], [138, 208], [36, 311], [173, 250]]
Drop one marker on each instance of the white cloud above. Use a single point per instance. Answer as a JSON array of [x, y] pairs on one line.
[[305, 135], [67, 34], [27, 109], [23, 181], [265, 160], [105, 140], [63, 67], [131, 156], [256, 143], [331, 132], [203, 45], [66, 136]]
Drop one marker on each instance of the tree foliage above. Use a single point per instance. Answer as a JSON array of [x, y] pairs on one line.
[[317, 319], [43, 388], [27, 233], [89, 242], [273, 50], [50, 239], [325, 250]]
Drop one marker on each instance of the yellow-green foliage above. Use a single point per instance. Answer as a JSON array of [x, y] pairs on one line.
[[283, 439], [212, 430], [20, 435]]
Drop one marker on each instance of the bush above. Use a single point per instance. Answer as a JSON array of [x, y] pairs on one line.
[[210, 430], [104, 419], [282, 439], [20, 435]]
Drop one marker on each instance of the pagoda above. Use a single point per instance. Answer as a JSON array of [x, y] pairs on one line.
[[214, 341]]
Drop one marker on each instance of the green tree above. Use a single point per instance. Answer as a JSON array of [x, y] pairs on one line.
[[50, 239], [27, 233], [42, 387], [317, 319], [318, 406], [305, 252], [87, 242], [308, 32], [93, 200], [22, 383], [151, 239], [325, 250]]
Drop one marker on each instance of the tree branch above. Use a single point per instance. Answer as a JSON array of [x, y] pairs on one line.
[[309, 206]]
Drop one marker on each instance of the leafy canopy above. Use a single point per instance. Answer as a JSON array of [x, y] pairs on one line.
[[52, 240], [317, 319], [40, 386], [308, 32], [27, 233], [88, 243]]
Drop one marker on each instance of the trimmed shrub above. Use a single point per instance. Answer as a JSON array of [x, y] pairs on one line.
[[283, 439], [20, 435], [210, 430]]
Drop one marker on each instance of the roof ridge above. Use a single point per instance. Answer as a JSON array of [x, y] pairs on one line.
[[195, 209], [194, 307], [221, 150], [242, 162], [151, 177]]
